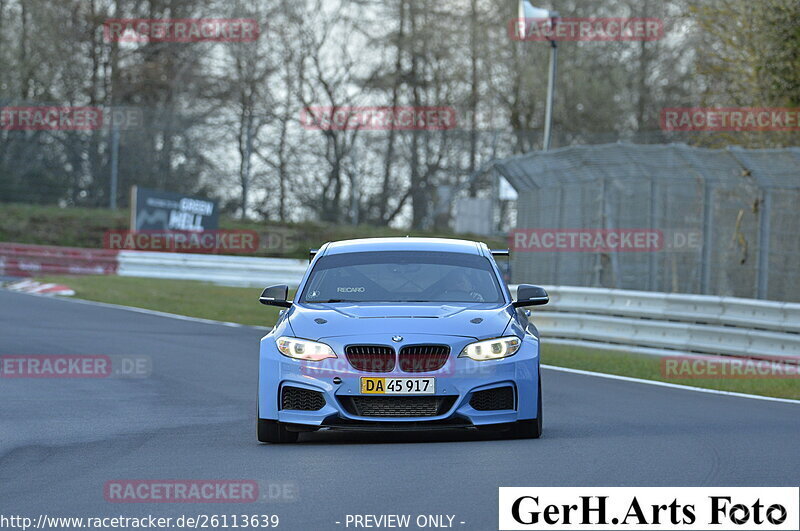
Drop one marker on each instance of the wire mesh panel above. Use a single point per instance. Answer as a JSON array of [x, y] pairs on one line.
[[721, 222]]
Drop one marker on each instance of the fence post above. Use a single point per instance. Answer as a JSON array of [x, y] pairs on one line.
[[763, 245], [705, 277], [112, 193], [652, 281], [557, 276]]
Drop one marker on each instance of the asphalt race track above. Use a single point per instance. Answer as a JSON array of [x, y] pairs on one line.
[[61, 439]]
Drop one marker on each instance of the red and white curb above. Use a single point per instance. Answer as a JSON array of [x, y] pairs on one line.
[[31, 286]]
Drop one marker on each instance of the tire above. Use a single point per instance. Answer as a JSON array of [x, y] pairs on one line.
[[530, 429], [272, 431]]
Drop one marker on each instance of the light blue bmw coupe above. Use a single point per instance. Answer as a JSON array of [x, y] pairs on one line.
[[400, 334]]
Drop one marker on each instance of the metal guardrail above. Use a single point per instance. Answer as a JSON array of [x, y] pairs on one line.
[[228, 270], [24, 260], [724, 311], [668, 323]]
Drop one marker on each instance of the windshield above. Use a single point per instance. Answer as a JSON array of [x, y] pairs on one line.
[[403, 276]]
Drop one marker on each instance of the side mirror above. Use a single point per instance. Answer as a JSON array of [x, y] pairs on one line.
[[275, 296], [528, 295]]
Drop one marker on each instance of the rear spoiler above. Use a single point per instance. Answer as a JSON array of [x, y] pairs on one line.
[[495, 252]]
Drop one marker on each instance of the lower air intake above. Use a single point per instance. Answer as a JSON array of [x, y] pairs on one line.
[[299, 399], [397, 406], [493, 399]]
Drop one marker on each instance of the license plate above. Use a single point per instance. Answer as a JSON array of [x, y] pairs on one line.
[[398, 386]]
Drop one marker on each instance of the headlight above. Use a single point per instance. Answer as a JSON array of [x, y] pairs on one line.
[[491, 349], [303, 349]]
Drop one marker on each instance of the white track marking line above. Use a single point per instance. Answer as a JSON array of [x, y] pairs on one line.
[[151, 312], [670, 385]]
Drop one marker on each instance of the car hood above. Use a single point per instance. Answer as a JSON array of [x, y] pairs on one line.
[[476, 320]]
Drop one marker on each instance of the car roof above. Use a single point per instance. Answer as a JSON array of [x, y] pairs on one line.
[[404, 244]]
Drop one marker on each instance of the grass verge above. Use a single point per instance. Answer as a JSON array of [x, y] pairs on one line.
[[240, 305], [183, 297], [649, 368]]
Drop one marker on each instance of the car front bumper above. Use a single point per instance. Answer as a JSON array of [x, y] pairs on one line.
[[455, 385]]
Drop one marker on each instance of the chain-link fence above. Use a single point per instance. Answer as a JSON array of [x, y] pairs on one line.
[[722, 222]]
